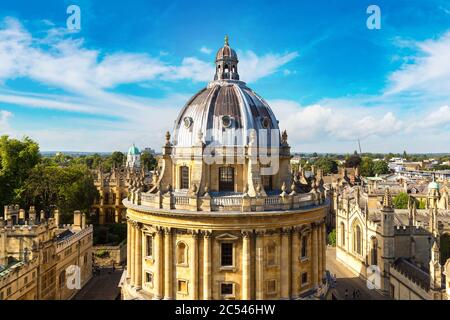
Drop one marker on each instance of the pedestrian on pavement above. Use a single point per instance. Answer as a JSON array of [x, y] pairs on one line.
[[346, 294], [354, 294]]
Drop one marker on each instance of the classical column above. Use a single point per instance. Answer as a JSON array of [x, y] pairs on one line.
[[168, 264], [128, 248], [285, 276], [132, 239], [157, 265], [324, 249], [260, 264], [246, 265], [116, 215], [295, 254], [314, 257], [138, 257], [207, 294], [193, 266], [319, 253]]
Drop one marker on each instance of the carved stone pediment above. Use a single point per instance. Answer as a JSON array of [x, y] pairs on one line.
[[227, 237]]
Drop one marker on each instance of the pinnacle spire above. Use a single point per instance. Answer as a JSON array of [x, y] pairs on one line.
[[387, 199], [226, 40]]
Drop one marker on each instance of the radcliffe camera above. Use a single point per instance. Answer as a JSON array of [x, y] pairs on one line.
[[258, 155]]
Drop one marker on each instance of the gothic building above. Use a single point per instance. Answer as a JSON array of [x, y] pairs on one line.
[[224, 218], [113, 187], [399, 249], [39, 257]]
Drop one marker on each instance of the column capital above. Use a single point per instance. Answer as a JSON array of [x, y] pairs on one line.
[[246, 233], [167, 230], [260, 232], [159, 230], [194, 233], [285, 231], [207, 234]]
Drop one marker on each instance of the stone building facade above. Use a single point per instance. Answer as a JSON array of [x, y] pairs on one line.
[[38, 255], [399, 247], [113, 187], [213, 229]]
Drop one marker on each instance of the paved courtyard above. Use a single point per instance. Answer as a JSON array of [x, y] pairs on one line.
[[345, 279], [102, 286]]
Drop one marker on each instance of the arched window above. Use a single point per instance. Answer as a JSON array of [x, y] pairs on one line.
[[374, 251], [226, 179], [342, 234], [357, 239], [184, 177], [181, 253], [271, 254], [225, 69], [304, 249]]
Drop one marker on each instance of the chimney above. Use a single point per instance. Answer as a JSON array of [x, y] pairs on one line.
[[83, 221], [56, 217], [21, 216], [77, 219], [32, 215], [42, 216]]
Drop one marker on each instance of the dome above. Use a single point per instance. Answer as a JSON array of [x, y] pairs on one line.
[[433, 185], [226, 52], [133, 150], [225, 111]]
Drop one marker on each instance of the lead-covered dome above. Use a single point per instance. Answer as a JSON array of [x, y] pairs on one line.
[[225, 111]]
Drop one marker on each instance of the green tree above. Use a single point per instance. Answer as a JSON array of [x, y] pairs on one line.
[[69, 188], [380, 167], [327, 165], [148, 160], [367, 167], [117, 158], [352, 161], [400, 201], [17, 158], [332, 238]]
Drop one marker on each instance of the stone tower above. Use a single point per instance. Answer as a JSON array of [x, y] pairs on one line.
[[387, 236]]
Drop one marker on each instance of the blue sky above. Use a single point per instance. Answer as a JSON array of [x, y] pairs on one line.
[[125, 75]]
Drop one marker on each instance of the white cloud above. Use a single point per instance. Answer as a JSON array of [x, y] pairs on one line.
[[318, 122], [253, 67], [331, 125], [429, 70], [4, 121], [205, 50]]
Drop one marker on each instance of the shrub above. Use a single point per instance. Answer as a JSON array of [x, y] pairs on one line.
[[332, 238]]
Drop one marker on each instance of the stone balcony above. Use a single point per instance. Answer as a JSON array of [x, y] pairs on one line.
[[232, 202]]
